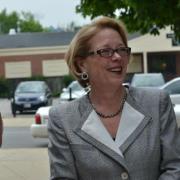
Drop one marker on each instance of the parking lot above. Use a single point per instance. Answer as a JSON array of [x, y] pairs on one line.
[[21, 163]]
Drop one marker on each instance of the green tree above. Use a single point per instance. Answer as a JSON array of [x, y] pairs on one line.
[[8, 21], [24, 22], [144, 16], [28, 23]]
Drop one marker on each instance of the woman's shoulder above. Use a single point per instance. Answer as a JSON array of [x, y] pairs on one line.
[[148, 95], [66, 107], [66, 114], [147, 91]]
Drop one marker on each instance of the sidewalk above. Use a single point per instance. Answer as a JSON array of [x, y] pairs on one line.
[[18, 121], [23, 164]]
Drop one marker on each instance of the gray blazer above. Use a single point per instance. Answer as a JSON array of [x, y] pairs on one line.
[[147, 145]]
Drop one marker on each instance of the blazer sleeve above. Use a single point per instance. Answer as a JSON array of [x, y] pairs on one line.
[[60, 156], [170, 140]]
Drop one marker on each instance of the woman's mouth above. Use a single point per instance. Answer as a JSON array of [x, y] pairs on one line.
[[116, 69]]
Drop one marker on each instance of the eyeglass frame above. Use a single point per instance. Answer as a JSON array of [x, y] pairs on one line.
[[112, 51]]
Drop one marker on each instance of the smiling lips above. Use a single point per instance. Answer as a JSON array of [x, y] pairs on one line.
[[116, 69]]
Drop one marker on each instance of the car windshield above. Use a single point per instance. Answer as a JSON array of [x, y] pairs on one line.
[[147, 81], [30, 87], [172, 87], [75, 86]]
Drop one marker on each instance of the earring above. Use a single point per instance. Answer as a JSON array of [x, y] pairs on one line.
[[84, 76]]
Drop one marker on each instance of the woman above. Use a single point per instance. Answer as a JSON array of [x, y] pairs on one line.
[[114, 132]]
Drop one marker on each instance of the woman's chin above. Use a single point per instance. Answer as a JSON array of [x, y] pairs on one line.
[[117, 81]]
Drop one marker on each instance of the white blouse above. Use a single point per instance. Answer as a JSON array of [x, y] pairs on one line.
[[130, 119]]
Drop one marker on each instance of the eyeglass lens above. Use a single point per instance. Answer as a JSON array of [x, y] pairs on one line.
[[109, 52]]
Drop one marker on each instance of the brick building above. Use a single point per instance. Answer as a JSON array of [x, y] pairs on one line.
[[25, 55], [30, 54], [159, 53]]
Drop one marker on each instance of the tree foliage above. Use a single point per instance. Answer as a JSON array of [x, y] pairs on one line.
[[8, 21], [24, 22], [29, 24], [144, 16]]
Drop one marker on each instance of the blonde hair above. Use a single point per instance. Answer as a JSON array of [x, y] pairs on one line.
[[79, 45]]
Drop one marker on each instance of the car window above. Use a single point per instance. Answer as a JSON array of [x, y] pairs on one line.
[[75, 86], [147, 81], [30, 87], [173, 88]]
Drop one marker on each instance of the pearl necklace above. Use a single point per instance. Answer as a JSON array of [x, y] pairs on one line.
[[112, 114]]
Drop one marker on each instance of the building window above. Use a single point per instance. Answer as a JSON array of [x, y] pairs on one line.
[[164, 63], [21, 69]]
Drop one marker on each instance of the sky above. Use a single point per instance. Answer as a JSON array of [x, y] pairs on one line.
[[57, 13]]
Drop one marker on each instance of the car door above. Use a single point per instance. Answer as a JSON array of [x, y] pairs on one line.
[[174, 90]]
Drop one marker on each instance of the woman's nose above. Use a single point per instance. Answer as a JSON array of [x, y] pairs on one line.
[[116, 56]]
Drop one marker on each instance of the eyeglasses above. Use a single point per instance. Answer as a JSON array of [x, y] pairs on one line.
[[109, 52]]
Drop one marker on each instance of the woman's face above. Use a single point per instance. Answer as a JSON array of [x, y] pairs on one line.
[[103, 70]]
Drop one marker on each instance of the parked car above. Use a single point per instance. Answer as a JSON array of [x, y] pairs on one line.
[[177, 113], [39, 127], [73, 91], [30, 95], [147, 80], [173, 88]]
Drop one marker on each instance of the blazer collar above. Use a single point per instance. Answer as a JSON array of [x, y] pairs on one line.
[[91, 129], [95, 128]]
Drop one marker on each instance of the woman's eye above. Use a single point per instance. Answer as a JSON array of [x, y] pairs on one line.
[[105, 51]]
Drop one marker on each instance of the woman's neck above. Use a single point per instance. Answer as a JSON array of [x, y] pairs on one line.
[[109, 97]]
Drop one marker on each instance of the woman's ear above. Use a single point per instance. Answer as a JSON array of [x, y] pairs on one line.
[[81, 63]]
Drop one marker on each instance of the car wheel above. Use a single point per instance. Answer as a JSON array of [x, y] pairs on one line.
[[21, 111]]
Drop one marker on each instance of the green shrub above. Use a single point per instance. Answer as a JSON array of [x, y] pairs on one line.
[[56, 94], [67, 80], [36, 78], [4, 87]]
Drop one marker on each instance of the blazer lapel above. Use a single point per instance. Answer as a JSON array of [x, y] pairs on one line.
[[94, 127], [133, 122], [130, 120], [92, 130], [102, 147]]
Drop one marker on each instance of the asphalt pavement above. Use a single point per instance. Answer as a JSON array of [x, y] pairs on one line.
[[23, 163]]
